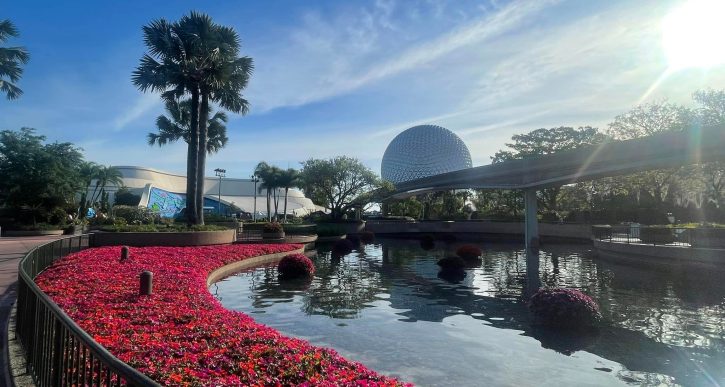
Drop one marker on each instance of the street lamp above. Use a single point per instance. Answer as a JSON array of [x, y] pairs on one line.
[[220, 173], [255, 179]]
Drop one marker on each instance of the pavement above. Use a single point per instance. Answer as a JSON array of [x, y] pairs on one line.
[[11, 250]]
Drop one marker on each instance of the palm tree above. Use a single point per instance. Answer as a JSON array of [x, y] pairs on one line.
[[195, 57], [169, 68], [271, 177], [10, 60], [177, 126], [225, 75], [88, 171], [105, 176], [288, 179]]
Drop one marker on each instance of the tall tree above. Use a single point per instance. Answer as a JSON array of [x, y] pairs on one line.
[[547, 141], [288, 179], [177, 125], [221, 77], [37, 175], [337, 182], [265, 172], [11, 59], [645, 120], [169, 68], [198, 58]]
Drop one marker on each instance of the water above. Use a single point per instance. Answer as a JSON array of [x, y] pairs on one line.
[[385, 306]]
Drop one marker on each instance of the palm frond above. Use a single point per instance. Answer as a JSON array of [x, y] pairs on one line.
[[10, 90]]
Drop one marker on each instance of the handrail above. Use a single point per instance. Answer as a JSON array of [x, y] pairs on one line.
[[58, 351]]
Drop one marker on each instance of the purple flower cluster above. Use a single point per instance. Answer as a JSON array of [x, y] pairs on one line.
[[295, 266], [564, 308]]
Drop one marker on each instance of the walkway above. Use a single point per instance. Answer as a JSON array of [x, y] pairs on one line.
[[11, 250]]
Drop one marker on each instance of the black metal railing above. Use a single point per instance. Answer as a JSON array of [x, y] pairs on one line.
[[58, 351], [648, 235]]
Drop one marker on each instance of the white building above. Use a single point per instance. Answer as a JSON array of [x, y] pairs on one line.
[[166, 193]]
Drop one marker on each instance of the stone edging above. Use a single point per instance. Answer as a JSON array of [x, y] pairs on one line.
[[664, 255], [22, 233], [235, 267], [17, 361], [180, 239]]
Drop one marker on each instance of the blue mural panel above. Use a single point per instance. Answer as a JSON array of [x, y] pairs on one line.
[[166, 203]]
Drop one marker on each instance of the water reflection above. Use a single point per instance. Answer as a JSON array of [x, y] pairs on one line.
[[663, 326]]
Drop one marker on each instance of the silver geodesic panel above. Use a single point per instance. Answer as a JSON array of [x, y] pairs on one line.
[[422, 151]]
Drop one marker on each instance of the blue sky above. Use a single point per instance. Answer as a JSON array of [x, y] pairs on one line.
[[343, 78]]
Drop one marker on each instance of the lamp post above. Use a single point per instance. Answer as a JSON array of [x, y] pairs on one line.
[[255, 179], [220, 173]]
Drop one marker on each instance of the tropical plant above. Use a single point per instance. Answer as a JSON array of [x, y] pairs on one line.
[[288, 179], [105, 176], [11, 59], [199, 58], [270, 182], [272, 227], [177, 125]]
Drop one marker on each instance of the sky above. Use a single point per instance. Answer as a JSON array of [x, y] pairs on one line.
[[345, 77]]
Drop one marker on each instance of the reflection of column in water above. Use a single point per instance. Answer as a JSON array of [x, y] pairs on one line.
[[533, 282]]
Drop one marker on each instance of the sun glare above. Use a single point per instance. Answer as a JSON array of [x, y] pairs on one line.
[[693, 34]]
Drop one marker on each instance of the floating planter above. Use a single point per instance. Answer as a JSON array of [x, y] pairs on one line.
[[564, 309], [427, 242], [342, 247], [367, 237], [452, 263], [469, 252], [295, 266]]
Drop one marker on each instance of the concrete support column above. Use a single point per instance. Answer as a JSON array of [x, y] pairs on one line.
[[531, 228], [531, 234]]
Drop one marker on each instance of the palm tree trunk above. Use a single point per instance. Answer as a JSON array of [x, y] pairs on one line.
[[276, 203], [286, 190], [191, 160], [269, 205], [201, 155]]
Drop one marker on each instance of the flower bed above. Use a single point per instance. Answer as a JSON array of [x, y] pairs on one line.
[[181, 335]]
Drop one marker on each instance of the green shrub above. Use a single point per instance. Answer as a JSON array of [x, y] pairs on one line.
[[328, 230], [272, 227], [133, 214]]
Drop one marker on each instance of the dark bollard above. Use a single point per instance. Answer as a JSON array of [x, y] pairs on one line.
[[124, 253], [147, 283]]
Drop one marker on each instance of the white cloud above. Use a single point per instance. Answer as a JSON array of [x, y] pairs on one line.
[[329, 58], [144, 104]]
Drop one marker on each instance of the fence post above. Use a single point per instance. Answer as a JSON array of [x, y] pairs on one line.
[[57, 358]]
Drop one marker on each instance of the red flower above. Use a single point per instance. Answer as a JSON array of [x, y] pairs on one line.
[[181, 334]]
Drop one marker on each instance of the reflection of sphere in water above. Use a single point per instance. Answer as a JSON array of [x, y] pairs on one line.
[[422, 151]]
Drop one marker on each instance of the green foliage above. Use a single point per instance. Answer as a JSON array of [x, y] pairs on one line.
[[37, 176], [272, 227], [11, 59], [125, 197], [199, 58], [134, 214], [178, 126], [327, 229], [337, 183]]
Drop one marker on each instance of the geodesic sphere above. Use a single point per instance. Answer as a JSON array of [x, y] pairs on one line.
[[423, 151]]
